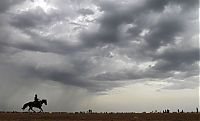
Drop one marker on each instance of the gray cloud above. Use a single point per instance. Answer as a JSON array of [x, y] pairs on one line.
[[116, 14], [187, 83], [161, 34], [115, 43], [6, 4], [174, 59], [134, 75], [35, 17], [159, 5], [31, 18], [85, 11], [164, 32], [108, 31]]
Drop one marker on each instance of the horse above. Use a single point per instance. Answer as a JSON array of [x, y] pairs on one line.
[[37, 104]]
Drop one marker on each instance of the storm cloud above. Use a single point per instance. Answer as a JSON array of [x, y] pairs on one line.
[[99, 45]]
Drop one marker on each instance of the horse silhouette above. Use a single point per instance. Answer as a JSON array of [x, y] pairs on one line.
[[37, 104]]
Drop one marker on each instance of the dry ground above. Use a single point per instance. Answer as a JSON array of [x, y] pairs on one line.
[[99, 117]]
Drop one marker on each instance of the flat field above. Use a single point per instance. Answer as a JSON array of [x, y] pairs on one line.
[[99, 117]]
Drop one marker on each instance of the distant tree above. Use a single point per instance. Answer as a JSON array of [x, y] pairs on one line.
[[197, 110], [178, 111]]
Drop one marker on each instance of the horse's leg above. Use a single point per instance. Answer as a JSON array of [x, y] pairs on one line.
[[41, 110], [29, 109], [32, 109]]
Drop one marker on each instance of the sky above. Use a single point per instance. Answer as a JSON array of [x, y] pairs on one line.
[[104, 55]]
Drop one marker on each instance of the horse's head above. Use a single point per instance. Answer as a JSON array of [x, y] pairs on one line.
[[44, 101]]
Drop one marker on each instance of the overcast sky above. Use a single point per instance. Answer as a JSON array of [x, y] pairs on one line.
[[105, 55]]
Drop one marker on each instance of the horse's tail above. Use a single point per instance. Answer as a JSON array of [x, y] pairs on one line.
[[25, 106]]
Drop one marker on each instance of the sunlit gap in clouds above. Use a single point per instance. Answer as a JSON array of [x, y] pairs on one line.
[[42, 4]]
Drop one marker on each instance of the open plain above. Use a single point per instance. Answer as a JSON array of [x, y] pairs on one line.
[[62, 116]]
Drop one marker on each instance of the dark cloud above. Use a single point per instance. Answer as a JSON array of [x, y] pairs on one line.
[[174, 59], [133, 75], [188, 4], [6, 4], [30, 18], [159, 5], [33, 18], [125, 41], [47, 46], [108, 31], [85, 11], [116, 14], [164, 32], [78, 49]]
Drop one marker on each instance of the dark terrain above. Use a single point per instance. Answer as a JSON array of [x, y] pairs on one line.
[[16, 116]]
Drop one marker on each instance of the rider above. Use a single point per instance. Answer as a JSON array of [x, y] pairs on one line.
[[36, 100]]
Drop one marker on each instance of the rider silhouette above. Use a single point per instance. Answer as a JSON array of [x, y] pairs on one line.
[[36, 100]]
